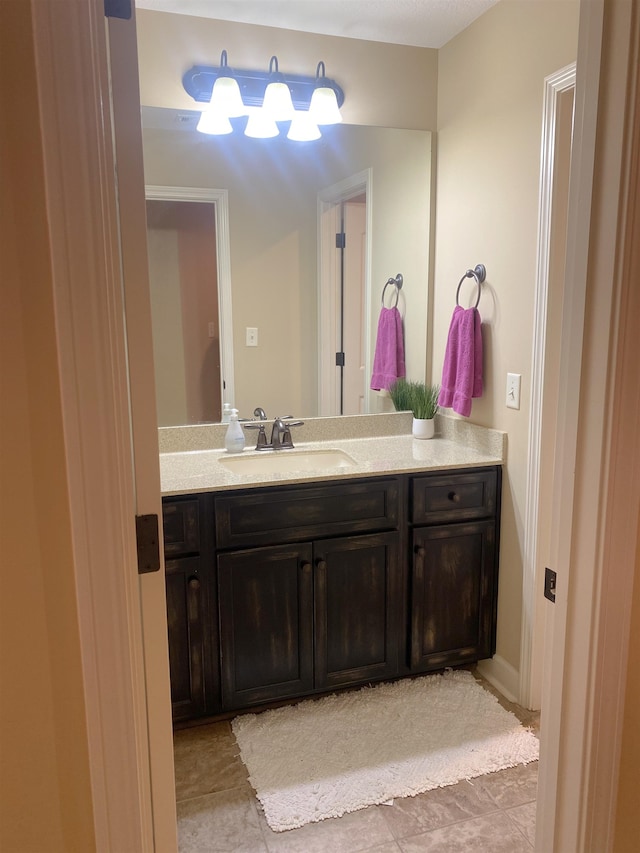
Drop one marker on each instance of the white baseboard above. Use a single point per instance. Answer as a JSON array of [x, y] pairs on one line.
[[502, 676]]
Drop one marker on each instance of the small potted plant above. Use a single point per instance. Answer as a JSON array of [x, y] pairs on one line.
[[421, 400]]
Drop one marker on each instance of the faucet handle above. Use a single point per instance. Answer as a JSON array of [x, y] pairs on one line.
[[261, 443], [287, 441]]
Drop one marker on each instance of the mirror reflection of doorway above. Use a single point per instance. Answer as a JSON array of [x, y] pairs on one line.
[[181, 239], [354, 218], [344, 296]]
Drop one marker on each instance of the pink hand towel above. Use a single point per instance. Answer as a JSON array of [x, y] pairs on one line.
[[388, 360], [462, 369]]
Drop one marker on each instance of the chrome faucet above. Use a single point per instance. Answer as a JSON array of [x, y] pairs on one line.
[[280, 433]]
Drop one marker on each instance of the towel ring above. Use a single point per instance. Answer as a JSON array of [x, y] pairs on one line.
[[479, 273], [397, 282]]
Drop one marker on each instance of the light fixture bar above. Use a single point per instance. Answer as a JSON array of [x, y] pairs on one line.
[[198, 82]]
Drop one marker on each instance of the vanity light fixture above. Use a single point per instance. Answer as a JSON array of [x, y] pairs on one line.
[[314, 100], [260, 125], [324, 108], [213, 123], [277, 103], [226, 99], [303, 128]]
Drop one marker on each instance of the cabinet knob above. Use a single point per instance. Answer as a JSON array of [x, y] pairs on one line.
[[321, 564], [455, 497], [306, 567], [419, 550], [194, 584]]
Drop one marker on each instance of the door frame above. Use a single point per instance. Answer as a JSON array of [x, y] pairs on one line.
[[73, 85], [596, 488], [220, 198], [130, 810], [533, 615], [329, 200]]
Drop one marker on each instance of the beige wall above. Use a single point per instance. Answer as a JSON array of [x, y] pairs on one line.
[[404, 78], [45, 794], [273, 190], [490, 95]]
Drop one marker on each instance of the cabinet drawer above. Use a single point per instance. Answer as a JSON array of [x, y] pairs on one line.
[[180, 521], [294, 514], [454, 497]]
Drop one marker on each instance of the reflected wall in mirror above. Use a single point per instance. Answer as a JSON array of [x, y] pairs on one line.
[[274, 198]]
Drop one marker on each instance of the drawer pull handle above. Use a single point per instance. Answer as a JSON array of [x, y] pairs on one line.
[[306, 567], [455, 497], [194, 584]]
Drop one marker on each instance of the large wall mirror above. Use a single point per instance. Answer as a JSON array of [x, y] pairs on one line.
[[254, 316]]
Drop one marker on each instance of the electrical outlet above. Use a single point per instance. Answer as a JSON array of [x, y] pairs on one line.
[[252, 337], [513, 390]]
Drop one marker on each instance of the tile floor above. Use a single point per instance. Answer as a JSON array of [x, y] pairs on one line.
[[219, 813]]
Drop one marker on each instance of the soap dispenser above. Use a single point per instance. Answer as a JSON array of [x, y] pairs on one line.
[[234, 438]]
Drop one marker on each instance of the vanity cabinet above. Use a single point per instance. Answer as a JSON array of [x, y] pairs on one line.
[[454, 520], [282, 592], [307, 614], [189, 584]]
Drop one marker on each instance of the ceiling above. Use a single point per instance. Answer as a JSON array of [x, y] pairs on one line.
[[421, 23]]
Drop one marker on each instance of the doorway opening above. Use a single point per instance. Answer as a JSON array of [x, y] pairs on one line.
[[344, 212], [190, 286], [183, 283]]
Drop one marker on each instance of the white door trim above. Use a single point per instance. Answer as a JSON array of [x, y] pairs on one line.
[[328, 198], [532, 633], [223, 252], [595, 534], [79, 181]]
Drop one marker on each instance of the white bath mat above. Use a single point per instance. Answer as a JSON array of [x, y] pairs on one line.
[[325, 757]]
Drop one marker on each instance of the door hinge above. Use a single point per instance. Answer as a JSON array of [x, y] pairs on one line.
[[148, 544], [339, 359], [341, 240], [117, 9], [550, 584]]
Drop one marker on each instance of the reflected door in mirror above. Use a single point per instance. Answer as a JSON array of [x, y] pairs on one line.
[[181, 238]]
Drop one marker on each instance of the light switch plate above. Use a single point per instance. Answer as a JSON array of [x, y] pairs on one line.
[[252, 337], [513, 390]]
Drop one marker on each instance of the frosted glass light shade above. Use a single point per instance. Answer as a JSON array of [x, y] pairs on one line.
[[260, 126], [226, 98], [303, 128], [213, 123], [323, 108], [277, 102]]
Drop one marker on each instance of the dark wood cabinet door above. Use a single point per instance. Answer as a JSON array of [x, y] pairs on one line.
[[185, 586], [181, 526], [357, 602], [266, 624], [453, 594]]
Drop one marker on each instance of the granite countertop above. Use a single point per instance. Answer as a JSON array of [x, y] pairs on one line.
[[458, 444]]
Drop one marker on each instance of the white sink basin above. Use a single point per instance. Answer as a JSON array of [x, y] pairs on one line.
[[287, 461]]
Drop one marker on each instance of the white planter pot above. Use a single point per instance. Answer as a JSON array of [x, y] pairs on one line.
[[423, 428]]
